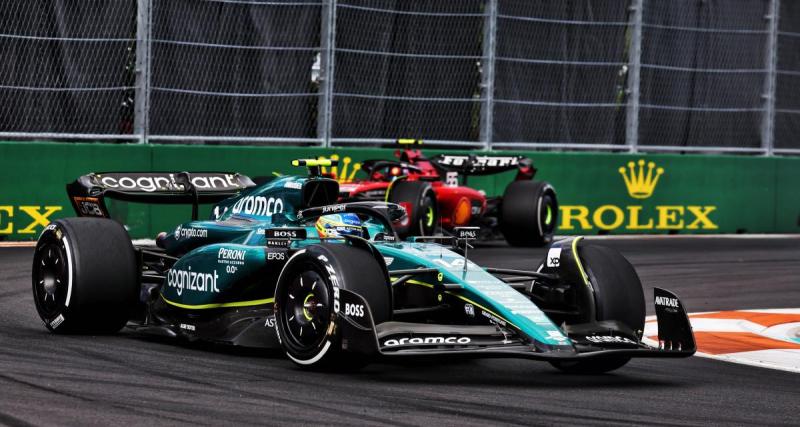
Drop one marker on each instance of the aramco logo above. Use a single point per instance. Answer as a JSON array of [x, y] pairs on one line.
[[641, 186], [341, 175], [640, 178]]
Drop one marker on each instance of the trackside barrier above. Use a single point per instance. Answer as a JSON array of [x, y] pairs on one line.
[[599, 193]]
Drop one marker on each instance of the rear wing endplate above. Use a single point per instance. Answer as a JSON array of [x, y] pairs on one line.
[[88, 193]]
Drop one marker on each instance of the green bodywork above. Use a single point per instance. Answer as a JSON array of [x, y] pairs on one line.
[[224, 262]]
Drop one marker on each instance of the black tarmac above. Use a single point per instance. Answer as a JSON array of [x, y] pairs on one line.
[[129, 380]]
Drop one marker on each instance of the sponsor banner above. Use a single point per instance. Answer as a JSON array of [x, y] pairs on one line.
[[599, 193]]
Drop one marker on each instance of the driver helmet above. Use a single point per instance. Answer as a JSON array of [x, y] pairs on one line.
[[339, 225]]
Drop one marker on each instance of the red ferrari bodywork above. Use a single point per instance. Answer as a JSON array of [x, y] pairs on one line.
[[458, 205]]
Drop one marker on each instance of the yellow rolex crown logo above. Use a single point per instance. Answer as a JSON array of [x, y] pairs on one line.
[[341, 175], [640, 183]]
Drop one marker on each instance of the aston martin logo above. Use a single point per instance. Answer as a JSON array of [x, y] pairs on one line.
[[640, 184], [341, 175]]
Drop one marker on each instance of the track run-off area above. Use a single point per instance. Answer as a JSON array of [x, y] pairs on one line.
[[740, 289]]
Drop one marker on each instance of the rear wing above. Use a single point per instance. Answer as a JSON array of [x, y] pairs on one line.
[[482, 164], [88, 193]]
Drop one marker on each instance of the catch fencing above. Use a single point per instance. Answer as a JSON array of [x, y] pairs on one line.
[[618, 75]]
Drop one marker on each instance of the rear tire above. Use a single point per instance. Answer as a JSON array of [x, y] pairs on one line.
[[419, 198], [618, 295], [529, 213], [307, 326], [85, 276]]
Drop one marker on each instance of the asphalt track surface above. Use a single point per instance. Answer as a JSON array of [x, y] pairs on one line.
[[124, 379]]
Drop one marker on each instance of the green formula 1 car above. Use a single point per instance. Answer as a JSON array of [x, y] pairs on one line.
[[283, 265]]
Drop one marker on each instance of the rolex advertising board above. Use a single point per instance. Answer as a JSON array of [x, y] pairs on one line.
[[638, 214], [598, 193]]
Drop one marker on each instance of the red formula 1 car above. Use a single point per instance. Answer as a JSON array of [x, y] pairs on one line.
[[435, 194]]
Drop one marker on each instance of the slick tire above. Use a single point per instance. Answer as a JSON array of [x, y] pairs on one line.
[[618, 295], [529, 213], [421, 199], [85, 276], [308, 289]]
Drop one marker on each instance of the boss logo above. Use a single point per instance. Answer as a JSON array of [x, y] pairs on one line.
[[466, 233], [285, 233], [355, 310]]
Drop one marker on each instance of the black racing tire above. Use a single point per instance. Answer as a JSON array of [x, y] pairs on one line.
[[424, 215], [519, 226], [85, 276], [307, 325], [618, 295]]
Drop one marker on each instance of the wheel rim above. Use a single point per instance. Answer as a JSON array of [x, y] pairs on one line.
[[50, 279], [549, 220], [307, 312], [428, 218]]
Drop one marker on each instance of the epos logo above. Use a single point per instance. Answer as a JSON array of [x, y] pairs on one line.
[[640, 179], [31, 216]]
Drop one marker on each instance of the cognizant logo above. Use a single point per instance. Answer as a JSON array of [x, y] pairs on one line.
[[640, 179], [191, 280]]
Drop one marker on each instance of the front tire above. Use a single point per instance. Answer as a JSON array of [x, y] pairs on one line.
[[618, 295], [419, 199], [307, 297], [85, 276], [529, 213]]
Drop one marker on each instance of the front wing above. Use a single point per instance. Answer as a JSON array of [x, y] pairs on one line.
[[398, 339]]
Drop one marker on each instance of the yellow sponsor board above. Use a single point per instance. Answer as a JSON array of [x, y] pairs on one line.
[[640, 179], [25, 219]]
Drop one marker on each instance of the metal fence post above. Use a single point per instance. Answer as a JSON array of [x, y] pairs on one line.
[[326, 71], [141, 119], [768, 119], [487, 85], [634, 76]]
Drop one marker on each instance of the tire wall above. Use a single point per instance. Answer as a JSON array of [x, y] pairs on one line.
[[693, 193]]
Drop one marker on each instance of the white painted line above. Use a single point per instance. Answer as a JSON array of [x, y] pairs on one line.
[[30, 244], [769, 359]]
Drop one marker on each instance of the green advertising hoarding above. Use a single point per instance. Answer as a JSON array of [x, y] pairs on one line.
[[599, 193]]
